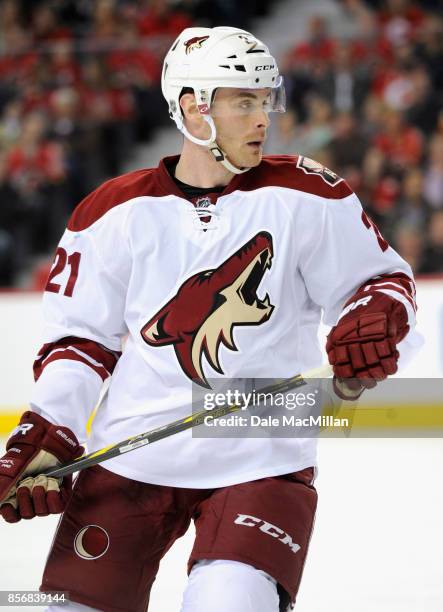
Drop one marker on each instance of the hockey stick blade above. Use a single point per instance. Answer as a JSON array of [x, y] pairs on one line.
[[193, 420]]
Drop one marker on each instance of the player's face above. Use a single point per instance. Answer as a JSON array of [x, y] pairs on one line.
[[241, 118]]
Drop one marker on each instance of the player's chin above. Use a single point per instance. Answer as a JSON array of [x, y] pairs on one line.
[[252, 157]]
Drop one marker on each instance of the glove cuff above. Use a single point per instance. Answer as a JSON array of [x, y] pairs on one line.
[[396, 314]]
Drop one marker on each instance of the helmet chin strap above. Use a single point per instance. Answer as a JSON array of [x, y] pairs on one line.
[[218, 153], [211, 143], [220, 156]]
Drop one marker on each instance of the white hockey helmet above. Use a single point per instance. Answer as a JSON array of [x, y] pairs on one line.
[[204, 59]]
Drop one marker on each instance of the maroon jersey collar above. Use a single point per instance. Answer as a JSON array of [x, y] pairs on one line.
[[170, 186]]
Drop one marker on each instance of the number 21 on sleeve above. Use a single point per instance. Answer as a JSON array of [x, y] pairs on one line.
[[60, 261]]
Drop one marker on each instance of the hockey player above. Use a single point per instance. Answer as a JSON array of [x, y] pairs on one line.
[[220, 262]]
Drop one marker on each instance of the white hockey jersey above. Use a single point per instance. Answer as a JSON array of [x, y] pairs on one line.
[[237, 293]]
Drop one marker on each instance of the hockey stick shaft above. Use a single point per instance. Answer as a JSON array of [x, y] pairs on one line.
[[193, 420]]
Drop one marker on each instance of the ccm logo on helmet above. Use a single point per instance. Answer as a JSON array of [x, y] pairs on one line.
[[265, 67], [275, 532]]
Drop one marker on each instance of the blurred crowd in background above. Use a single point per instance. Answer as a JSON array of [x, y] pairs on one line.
[[370, 107], [80, 87]]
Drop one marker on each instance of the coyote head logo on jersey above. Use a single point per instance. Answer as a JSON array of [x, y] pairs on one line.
[[194, 43], [207, 307]]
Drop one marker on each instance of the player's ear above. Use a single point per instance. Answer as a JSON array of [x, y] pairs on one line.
[[193, 118], [188, 104]]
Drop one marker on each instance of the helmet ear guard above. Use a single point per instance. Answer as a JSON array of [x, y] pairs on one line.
[[205, 59]]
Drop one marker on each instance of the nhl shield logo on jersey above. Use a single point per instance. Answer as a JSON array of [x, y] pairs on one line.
[[194, 43], [204, 202], [309, 166], [204, 311]]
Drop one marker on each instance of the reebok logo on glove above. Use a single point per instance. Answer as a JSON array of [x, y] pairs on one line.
[[23, 429], [353, 305]]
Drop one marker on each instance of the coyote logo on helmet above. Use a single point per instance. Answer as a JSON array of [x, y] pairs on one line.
[[194, 43], [209, 304]]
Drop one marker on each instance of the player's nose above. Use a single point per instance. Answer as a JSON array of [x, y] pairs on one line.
[[262, 119]]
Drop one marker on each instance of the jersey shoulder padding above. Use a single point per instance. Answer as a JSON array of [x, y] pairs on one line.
[[112, 193], [300, 173]]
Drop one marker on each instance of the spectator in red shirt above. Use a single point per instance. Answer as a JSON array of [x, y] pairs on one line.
[[158, 18], [400, 20], [36, 168], [319, 47], [34, 93], [107, 108], [10, 19], [104, 29], [68, 129], [34, 160], [132, 60], [63, 68], [13, 235], [307, 65], [45, 26], [94, 91], [401, 143], [19, 59]]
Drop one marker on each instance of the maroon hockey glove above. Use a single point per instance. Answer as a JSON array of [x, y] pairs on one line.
[[362, 346], [35, 446]]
